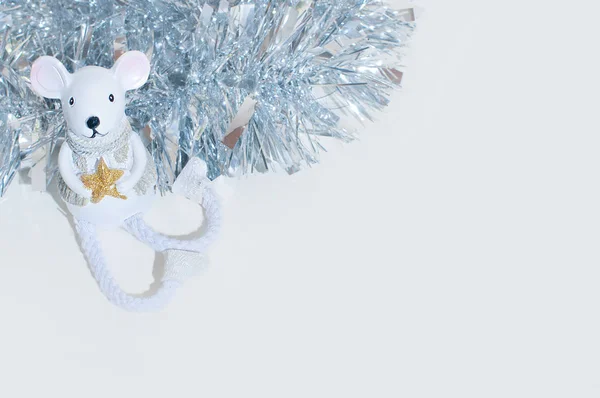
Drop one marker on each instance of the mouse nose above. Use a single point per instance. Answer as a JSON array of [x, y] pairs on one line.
[[93, 122]]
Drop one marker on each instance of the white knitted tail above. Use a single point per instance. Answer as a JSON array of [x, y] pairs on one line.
[[183, 257], [137, 227], [108, 286]]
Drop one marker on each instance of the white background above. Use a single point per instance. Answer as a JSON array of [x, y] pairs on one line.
[[452, 252]]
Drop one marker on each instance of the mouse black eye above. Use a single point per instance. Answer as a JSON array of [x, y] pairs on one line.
[[71, 101], [111, 98]]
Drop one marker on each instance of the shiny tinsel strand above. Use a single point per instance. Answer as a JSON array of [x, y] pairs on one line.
[[244, 85]]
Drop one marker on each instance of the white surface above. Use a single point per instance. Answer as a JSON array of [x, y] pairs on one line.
[[452, 252]]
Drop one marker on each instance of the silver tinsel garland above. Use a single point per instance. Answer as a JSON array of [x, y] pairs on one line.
[[244, 85]]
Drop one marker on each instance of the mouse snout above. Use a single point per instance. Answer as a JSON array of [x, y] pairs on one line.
[[93, 122]]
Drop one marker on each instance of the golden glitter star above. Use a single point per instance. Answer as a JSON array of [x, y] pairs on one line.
[[102, 182]]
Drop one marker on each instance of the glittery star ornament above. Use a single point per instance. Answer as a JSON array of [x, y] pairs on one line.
[[102, 182]]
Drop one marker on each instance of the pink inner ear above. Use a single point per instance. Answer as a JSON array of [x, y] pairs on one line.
[[49, 78], [136, 71], [132, 70]]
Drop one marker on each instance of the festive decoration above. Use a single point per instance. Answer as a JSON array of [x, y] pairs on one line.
[[244, 85], [102, 158], [102, 182]]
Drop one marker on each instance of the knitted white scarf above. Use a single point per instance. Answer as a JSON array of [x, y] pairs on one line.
[[85, 146]]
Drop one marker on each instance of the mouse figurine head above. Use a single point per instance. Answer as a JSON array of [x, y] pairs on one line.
[[92, 98]]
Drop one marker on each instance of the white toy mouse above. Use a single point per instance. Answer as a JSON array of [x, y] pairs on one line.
[[107, 177], [100, 141]]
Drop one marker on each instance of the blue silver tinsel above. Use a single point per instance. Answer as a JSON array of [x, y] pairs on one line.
[[296, 67]]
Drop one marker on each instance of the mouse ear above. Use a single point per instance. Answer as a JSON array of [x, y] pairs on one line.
[[49, 77], [132, 69]]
